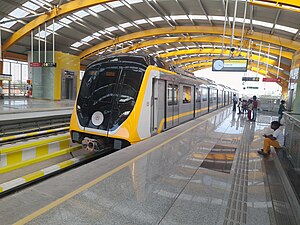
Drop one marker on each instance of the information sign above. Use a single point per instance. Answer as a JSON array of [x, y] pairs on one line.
[[250, 78], [35, 64], [230, 65], [271, 80], [48, 64], [42, 64]]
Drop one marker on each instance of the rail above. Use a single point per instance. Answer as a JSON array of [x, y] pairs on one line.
[[292, 137]]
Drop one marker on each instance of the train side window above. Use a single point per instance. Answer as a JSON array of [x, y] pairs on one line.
[[186, 94], [204, 94], [170, 94], [198, 95], [175, 95]]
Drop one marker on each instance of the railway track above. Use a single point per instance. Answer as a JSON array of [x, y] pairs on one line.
[[21, 163]]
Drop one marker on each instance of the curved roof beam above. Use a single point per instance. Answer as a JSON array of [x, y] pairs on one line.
[[218, 51], [55, 12], [210, 58], [279, 4], [290, 44], [211, 39]]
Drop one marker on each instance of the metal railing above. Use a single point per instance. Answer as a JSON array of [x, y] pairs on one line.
[[292, 138], [14, 90], [267, 104]]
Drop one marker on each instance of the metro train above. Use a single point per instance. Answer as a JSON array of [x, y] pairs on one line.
[[126, 98]]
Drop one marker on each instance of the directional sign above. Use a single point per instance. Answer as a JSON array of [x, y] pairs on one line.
[[250, 78], [35, 64], [271, 80], [42, 64], [48, 64]]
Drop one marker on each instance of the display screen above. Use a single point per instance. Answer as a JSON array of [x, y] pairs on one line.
[[230, 65]]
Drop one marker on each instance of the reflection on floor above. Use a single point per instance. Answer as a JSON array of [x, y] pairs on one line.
[[24, 104], [220, 159]]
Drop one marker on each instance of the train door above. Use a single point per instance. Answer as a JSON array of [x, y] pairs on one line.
[[176, 105], [204, 100], [172, 108], [157, 106]]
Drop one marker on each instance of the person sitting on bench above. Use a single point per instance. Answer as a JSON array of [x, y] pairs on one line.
[[276, 139]]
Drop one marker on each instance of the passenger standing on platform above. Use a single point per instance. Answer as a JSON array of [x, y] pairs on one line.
[[235, 100], [280, 110], [1, 92], [255, 108], [239, 105], [249, 108], [244, 106], [276, 139]]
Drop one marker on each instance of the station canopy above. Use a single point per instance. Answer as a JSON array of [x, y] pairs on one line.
[[187, 33]]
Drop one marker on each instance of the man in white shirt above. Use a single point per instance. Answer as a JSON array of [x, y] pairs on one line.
[[276, 139], [235, 101]]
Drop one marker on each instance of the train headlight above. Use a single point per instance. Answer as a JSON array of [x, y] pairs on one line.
[[97, 118]]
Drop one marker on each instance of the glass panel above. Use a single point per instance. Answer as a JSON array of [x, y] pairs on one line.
[[170, 94], [97, 8], [65, 20], [115, 4], [81, 14], [110, 29], [24, 73], [156, 19], [112, 90], [176, 96], [87, 39], [77, 44], [8, 24], [30, 5], [204, 94], [18, 13], [198, 95]]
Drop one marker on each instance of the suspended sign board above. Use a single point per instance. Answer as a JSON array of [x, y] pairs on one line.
[[271, 80], [5, 77], [250, 78], [230, 65]]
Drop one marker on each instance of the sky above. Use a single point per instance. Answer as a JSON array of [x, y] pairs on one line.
[[234, 80]]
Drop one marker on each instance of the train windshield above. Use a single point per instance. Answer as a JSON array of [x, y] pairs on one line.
[[108, 94]]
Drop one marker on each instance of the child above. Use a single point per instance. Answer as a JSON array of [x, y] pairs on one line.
[[276, 139], [280, 110]]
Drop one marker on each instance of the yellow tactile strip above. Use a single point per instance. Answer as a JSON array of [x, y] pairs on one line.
[[19, 156], [38, 174], [31, 134]]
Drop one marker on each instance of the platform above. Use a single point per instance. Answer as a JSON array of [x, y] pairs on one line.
[[22, 108], [205, 171]]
